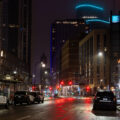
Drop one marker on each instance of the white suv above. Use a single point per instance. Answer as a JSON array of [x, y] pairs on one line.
[[3, 100]]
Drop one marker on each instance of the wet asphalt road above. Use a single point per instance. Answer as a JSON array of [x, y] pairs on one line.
[[58, 109]]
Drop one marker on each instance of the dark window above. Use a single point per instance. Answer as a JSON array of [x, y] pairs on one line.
[[105, 40], [98, 69], [98, 42]]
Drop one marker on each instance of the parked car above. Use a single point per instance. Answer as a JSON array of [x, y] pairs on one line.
[[23, 97], [38, 97], [104, 100], [4, 100]]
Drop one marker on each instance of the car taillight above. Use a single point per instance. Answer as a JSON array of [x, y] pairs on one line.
[[96, 98]]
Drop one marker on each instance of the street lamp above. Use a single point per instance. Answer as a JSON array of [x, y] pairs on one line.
[[33, 75], [46, 72], [101, 83], [43, 73], [100, 54], [15, 72], [1, 53], [43, 65]]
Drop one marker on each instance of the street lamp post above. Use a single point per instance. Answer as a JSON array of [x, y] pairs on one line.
[[42, 71], [101, 83], [14, 73], [100, 55]]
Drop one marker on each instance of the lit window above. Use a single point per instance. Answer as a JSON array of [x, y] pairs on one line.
[[53, 31], [2, 53], [58, 22], [76, 25], [89, 17], [65, 22], [63, 41], [86, 27], [4, 25], [12, 26], [105, 49]]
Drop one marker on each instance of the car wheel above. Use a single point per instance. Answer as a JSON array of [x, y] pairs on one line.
[[6, 106], [42, 101], [28, 102], [15, 103], [38, 101]]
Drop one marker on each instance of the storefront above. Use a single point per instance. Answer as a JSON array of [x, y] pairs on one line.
[[8, 87]]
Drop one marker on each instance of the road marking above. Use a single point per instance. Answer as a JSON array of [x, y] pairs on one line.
[[25, 117]]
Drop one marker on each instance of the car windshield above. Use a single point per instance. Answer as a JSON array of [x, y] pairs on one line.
[[20, 93], [107, 94]]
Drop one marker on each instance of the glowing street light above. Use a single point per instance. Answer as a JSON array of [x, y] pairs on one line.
[[43, 65], [46, 72], [33, 75], [15, 72], [100, 54], [1, 53]]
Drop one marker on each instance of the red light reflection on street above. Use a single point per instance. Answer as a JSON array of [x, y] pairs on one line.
[[61, 109], [88, 100]]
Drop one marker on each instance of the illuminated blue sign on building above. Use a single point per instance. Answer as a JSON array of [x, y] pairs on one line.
[[115, 19], [97, 20], [89, 5]]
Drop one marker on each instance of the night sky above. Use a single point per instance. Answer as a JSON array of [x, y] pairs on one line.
[[44, 13]]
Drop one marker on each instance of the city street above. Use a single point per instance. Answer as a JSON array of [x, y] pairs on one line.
[[58, 109]]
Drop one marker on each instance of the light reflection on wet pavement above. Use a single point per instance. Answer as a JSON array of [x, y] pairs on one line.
[[59, 109], [72, 109]]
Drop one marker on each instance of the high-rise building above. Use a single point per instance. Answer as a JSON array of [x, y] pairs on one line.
[[70, 60], [62, 30], [15, 44], [115, 49], [94, 59], [10, 26], [24, 33], [16, 29]]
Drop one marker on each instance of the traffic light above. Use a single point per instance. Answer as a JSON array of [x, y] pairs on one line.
[[58, 87], [87, 89], [70, 83], [62, 83], [50, 88], [33, 88]]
